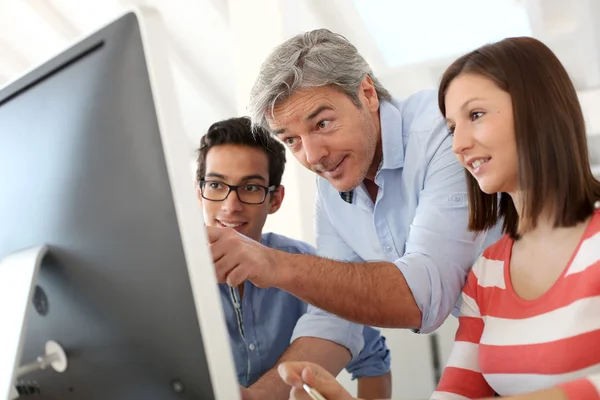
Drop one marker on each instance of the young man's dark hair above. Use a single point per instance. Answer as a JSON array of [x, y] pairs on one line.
[[239, 131]]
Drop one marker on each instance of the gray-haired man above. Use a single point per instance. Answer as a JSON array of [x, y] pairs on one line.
[[389, 189]]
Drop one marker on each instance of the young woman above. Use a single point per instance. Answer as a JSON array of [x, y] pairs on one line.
[[530, 316]]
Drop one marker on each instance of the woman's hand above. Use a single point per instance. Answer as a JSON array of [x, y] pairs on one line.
[[296, 374]]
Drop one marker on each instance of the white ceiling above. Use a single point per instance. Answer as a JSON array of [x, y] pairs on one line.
[[398, 38]]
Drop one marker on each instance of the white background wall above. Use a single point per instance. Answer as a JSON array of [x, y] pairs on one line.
[[218, 45]]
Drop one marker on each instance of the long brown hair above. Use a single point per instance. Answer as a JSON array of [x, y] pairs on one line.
[[554, 172]]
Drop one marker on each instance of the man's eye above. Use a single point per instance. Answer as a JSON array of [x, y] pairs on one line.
[[451, 130], [323, 124], [215, 185], [251, 188], [289, 141]]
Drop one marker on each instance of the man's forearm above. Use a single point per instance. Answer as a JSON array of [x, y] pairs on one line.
[[375, 387], [373, 293], [327, 354]]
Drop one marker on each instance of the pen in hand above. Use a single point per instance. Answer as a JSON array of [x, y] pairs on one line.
[[313, 393]]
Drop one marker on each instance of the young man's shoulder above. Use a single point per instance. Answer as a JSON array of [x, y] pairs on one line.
[[287, 244]]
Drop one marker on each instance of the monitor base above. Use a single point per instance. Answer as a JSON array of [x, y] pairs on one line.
[[18, 275], [55, 357]]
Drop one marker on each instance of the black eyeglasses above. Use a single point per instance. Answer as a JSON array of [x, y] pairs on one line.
[[250, 193]]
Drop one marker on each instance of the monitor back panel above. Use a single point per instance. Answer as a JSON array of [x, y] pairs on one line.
[[82, 170]]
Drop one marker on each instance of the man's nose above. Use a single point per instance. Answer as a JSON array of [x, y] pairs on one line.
[[315, 151], [232, 202]]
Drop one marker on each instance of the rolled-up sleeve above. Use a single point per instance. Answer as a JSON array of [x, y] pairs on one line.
[[319, 323], [323, 325], [440, 250], [374, 359]]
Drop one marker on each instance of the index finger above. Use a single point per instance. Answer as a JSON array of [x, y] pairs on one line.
[[214, 233]]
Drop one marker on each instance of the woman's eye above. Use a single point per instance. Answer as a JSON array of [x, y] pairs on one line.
[[215, 185], [451, 130], [289, 141], [476, 115]]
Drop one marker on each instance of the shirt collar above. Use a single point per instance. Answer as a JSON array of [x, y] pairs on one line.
[[392, 142]]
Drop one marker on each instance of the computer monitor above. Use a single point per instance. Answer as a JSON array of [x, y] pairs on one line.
[[95, 188]]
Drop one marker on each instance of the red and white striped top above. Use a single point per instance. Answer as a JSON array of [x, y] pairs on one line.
[[509, 345]]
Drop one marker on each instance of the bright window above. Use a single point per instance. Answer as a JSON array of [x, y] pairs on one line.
[[413, 31]]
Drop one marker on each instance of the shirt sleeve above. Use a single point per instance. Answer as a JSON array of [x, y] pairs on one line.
[[319, 323], [374, 359], [462, 377], [323, 325], [440, 250]]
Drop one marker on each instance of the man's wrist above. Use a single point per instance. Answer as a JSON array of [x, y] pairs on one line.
[[284, 264], [269, 386]]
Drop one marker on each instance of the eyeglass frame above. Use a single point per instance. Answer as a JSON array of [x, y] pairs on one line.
[[267, 190]]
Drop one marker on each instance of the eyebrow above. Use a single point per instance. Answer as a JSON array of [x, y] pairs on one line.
[[244, 179], [318, 111], [310, 117], [464, 105]]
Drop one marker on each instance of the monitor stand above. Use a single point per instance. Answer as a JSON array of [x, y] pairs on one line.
[[18, 275]]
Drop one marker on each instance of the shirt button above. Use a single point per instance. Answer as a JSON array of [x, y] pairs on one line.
[[388, 248], [252, 347]]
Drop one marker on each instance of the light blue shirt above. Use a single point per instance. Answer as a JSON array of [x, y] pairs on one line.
[[260, 326], [418, 221]]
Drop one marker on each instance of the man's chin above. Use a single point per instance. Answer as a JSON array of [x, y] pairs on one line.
[[344, 185], [242, 229]]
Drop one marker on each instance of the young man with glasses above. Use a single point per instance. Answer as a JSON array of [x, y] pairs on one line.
[[239, 184]]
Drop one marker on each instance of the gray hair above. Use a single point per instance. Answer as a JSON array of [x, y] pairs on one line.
[[316, 58]]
